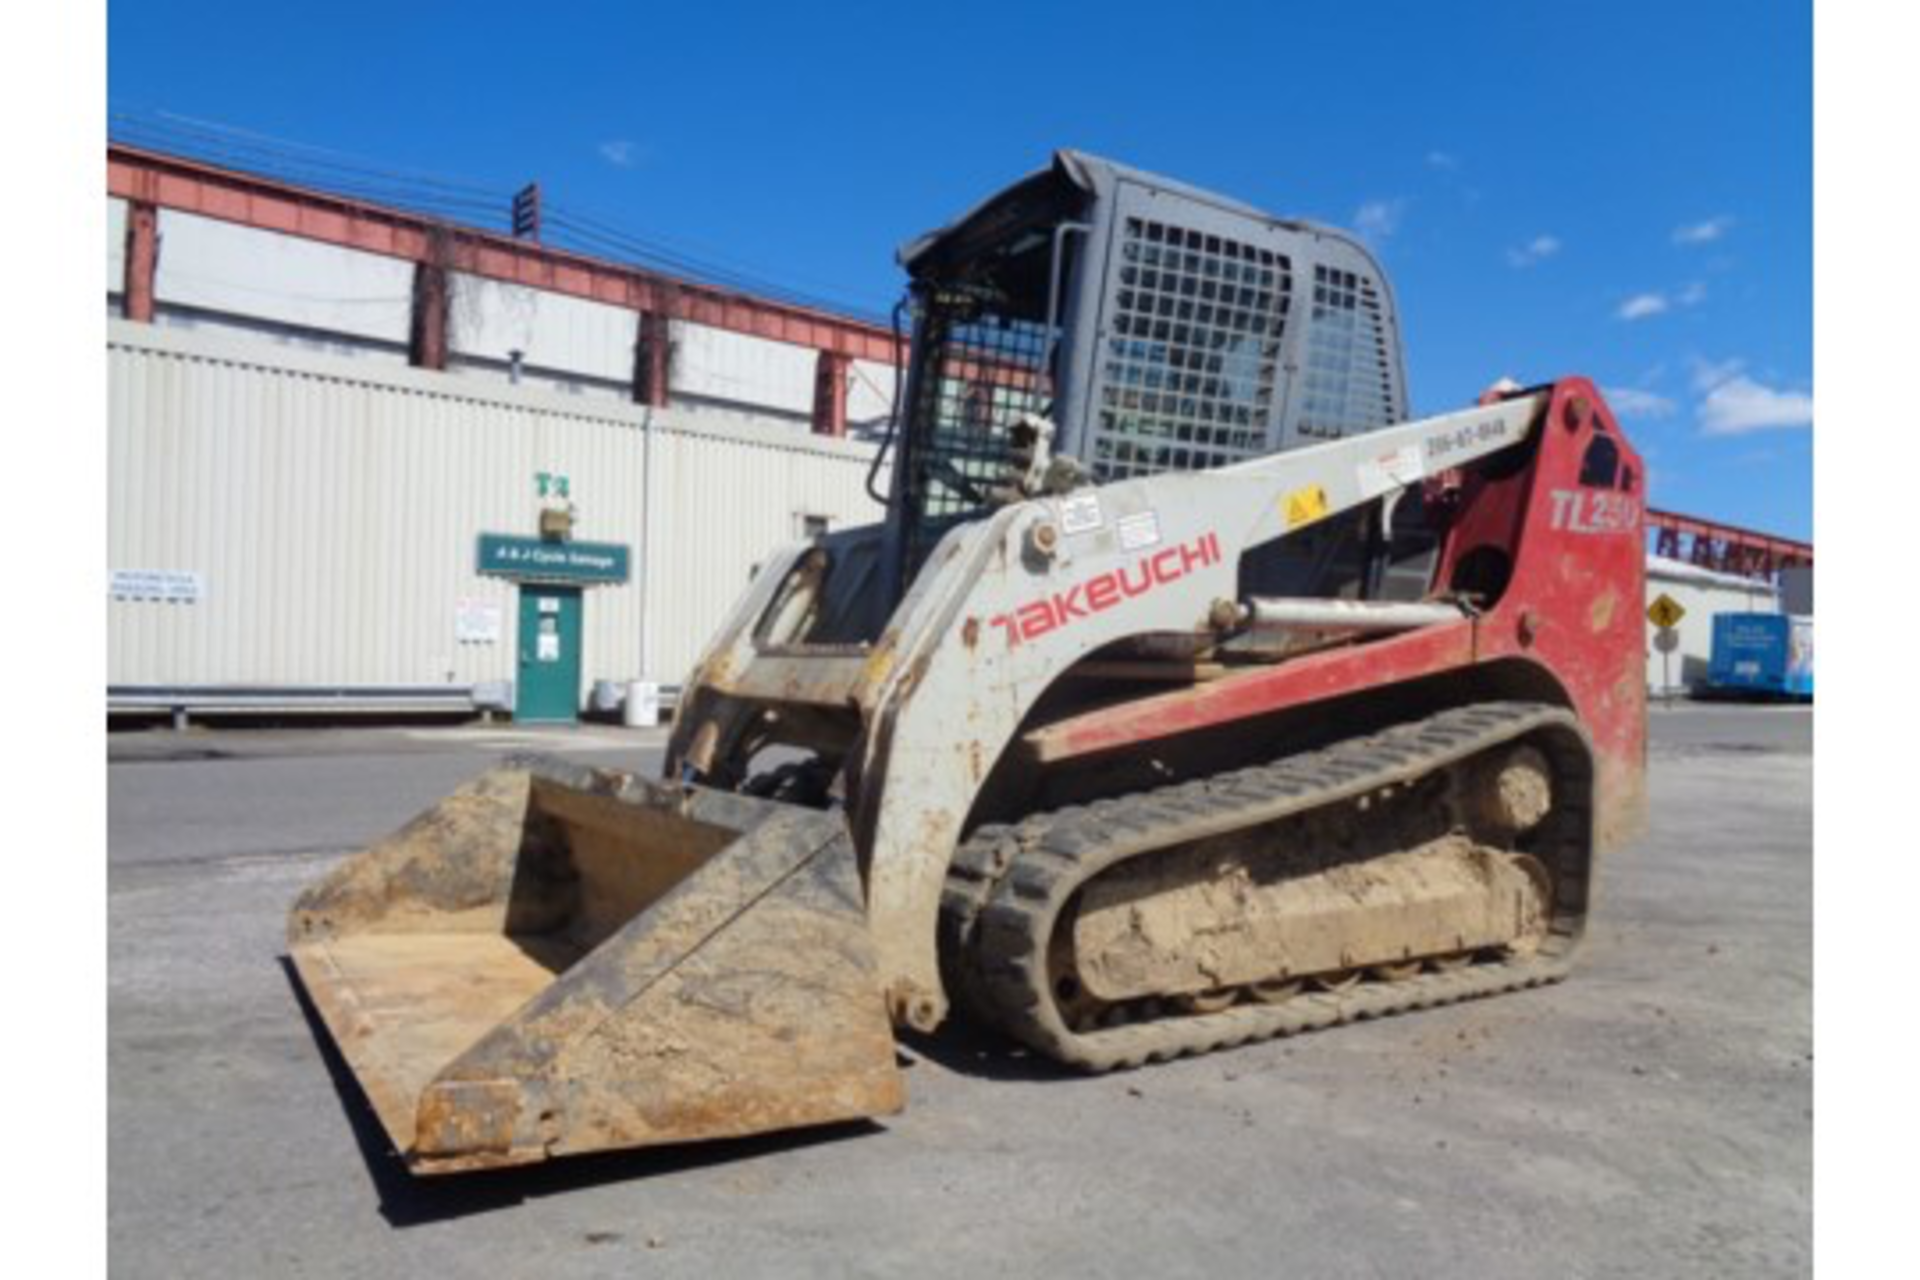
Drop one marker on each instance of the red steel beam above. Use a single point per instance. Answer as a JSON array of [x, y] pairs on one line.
[[1725, 546], [142, 256], [830, 394], [173, 182], [429, 316], [652, 359]]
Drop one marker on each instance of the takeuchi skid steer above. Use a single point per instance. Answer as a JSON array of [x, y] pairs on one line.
[[1187, 696]]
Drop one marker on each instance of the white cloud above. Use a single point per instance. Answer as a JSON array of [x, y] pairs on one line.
[[1740, 405], [1378, 219], [1538, 249], [1642, 305], [1443, 160], [1657, 301], [621, 153], [1632, 402], [1708, 374], [1703, 232]]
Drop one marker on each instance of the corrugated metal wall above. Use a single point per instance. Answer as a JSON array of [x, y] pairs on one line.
[[492, 319], [332, 508], [214, 266]]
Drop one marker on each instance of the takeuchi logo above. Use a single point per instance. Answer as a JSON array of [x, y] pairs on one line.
[[1098, 594]]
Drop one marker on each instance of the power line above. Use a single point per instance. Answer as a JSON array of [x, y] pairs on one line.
[[332, 177], [607, 240], [446, 198], [699, 257], [233, 137]]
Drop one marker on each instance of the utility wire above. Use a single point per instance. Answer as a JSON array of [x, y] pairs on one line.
[[570, 229], [450, 199], [702, 260], [233, 138]]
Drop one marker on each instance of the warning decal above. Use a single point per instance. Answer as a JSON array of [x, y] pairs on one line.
[[1304, 506]]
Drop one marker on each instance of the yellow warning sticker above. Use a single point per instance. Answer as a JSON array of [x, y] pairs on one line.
[[1304, 506]]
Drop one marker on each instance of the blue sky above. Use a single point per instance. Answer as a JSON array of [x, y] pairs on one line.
[[1623, 190]]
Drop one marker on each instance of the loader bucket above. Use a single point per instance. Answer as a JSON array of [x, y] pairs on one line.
[[557, 960]]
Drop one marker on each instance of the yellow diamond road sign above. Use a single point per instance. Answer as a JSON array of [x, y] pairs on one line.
[[1665, 611]]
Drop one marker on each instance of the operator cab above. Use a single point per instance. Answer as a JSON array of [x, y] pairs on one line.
[[1160, 328]]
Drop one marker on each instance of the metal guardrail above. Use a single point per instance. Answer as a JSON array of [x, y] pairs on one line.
[[184, 701]]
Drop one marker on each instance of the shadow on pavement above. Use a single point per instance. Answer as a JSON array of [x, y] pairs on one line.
[[969, 1049]]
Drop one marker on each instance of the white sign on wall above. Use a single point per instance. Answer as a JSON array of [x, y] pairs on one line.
[[477, 622], [173, 586]]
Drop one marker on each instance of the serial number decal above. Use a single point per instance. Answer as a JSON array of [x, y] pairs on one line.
[[1138, 531], [1389, 471], [1465, 437], [1081, 513], [1593, 511], [1099, 594]]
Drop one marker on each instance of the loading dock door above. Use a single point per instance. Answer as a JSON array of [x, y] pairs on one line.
[[547, 690]]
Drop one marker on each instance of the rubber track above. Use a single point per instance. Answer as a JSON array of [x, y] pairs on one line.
[[1008, 884]]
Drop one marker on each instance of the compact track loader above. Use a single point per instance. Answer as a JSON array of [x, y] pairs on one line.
[[1188, 696]]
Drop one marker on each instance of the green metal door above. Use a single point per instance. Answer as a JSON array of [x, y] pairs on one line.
[[548, 687]]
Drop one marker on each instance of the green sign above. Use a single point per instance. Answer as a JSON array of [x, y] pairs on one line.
[[538, 560]]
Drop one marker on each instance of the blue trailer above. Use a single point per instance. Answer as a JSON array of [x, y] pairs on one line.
[[1761, 655]]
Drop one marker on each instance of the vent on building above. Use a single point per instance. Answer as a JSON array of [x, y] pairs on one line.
[[1191, 357]]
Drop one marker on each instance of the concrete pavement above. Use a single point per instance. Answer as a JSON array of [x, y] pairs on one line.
[[1652, 1116]]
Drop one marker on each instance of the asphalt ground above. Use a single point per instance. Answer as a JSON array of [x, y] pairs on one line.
[[1650, 1117]]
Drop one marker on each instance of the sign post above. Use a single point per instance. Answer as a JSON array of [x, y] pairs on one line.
[[1665, 613]]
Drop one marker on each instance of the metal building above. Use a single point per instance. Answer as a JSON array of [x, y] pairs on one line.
[[360, 457], [293, 528]]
